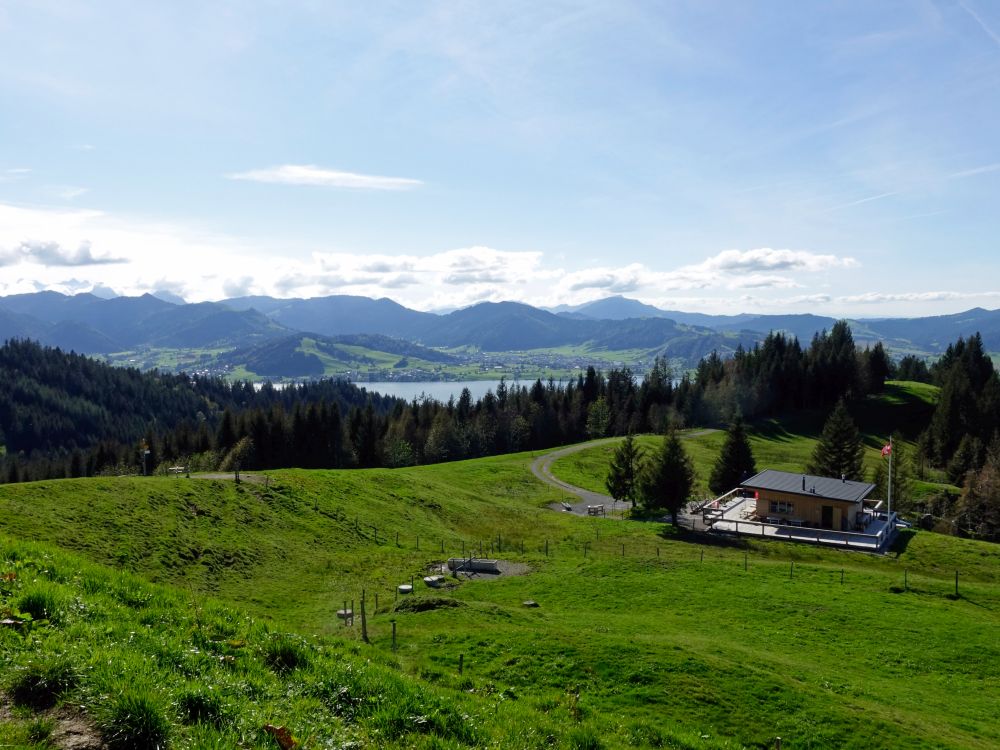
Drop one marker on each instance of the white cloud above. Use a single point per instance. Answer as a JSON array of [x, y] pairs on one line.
[[49, 253], [875, 298], [768, 259], [763, 281], [137, 256], [309, 174]]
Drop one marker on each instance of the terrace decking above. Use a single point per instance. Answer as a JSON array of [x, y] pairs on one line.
[[732, 514]]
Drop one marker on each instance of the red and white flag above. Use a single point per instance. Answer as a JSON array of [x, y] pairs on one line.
[[887, 449]]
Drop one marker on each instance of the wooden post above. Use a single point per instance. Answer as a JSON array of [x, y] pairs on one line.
[[352, 613], [841, 575], [364, 621], [461, 663], [345, 613], [522, 546], [703, 555], [744, 562], [393, 635], [376, 601], [777, 743], [598, 534], [657, 553]]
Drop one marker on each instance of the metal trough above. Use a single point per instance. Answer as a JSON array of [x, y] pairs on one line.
[[473, 565]]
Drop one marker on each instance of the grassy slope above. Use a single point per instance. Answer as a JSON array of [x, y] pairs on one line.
[[656, 647], [785, 444]]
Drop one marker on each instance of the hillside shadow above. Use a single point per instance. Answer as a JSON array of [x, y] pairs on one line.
[[901, 542], [702, 538]]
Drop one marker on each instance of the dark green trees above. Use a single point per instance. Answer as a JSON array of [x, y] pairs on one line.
[[667, 478], [839, 451], [623, 473], [735, 461], [979, 507]]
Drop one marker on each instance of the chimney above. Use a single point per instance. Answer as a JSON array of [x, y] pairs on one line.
[[803, 482]]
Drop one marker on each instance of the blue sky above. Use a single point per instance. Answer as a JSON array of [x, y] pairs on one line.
[[831, 157]]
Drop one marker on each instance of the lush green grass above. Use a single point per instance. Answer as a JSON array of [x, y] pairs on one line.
[[643, 637], [785, 444]]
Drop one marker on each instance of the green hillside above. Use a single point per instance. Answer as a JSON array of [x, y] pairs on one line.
[[785, 444], [642, 638]]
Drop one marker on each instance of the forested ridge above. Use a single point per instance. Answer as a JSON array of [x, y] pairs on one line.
[[62, 414]]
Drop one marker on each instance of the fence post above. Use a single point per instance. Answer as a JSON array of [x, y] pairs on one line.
[[745, 555], [393, 635], [364, 621]]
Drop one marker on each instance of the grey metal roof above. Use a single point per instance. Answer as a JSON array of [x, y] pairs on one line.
[[823, 487]]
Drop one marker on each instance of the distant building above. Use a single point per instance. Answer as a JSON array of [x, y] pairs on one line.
[[807, 500]]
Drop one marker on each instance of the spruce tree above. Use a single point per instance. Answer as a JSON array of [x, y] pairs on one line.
[[735, 461], [623, 472], [667, 478], [839, 451]]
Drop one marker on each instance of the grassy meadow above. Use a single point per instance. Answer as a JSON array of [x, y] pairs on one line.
[[197, 611], [786, 444]]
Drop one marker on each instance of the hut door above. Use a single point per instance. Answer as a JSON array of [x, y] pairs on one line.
[[827, 517]]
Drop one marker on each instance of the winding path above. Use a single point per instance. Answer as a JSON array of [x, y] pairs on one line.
[[541, 467]]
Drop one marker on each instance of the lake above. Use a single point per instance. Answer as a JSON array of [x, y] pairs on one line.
[[439, 390]]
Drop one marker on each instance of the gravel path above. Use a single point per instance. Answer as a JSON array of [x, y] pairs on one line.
[[541, 467]]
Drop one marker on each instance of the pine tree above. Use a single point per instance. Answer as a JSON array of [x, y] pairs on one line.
[[979, 507], [623, 472], [667, 478], [735, 462], [839, 451]]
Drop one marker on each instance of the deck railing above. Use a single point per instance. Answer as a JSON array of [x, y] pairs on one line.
[[828, 537]]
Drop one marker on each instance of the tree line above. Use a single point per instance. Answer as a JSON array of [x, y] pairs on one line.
[[63, 414]]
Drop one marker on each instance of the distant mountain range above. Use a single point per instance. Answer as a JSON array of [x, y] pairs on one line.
[[273, 331]]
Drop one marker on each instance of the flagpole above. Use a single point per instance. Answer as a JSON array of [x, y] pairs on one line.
[[889, 515]]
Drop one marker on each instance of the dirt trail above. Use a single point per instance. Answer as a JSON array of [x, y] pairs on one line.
[[541, 467]]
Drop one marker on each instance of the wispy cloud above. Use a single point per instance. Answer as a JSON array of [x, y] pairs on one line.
[[867, 199], [875, 298], [984, 169], [309, 174], [982, 24], [69, 192]]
